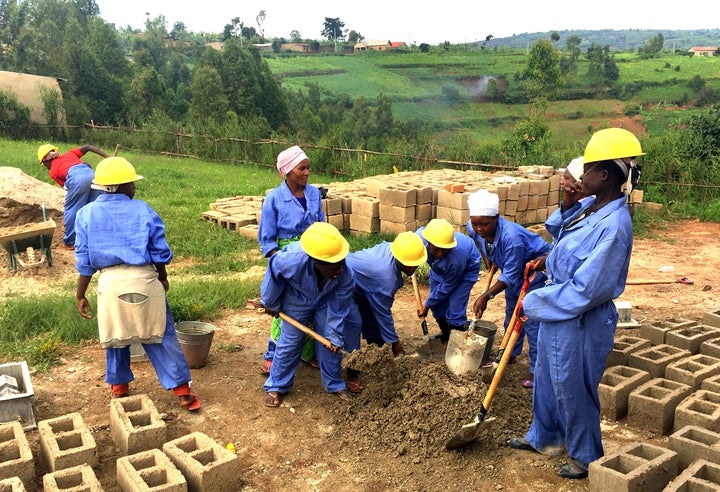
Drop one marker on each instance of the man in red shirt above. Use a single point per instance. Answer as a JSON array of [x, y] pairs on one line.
[[69, 171]]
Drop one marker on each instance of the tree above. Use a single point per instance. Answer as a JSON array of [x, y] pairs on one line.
[[569, 63], [260, 19], [333, 29], [208, 101], [232, 29], [555, 37], [354, 37], [653, 46], [179, 31], [602, 69], [295, 36], [543, 68]]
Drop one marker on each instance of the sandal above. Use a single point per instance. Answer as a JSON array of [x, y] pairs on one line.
[[191, 401], [344, 395], [119, 390], [273, 399], [265, 367], [354, 385], [527, 383]]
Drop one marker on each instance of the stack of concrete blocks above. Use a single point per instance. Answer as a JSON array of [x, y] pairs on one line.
[[149, 470], [205, 464], [135, 424], [655, 332], [336, 208], [634, 468], [66, 442], [623, 346], [16, 460], [365, 217], [238, 213]]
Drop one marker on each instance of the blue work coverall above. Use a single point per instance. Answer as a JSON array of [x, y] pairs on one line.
[[377, 279], [587, 269], [115, 230], [284, 218], [510, 251], [290, 285], [451, 279]]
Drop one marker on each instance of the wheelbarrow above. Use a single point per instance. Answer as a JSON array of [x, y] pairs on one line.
[[31, 241]]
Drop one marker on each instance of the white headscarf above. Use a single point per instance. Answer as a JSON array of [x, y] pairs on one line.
[[576, 167], [288, 159], [482, 203]]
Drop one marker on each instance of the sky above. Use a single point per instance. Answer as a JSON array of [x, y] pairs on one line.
[[434, 23]]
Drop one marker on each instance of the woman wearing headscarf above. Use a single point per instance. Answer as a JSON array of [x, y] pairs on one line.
[[509, 246], [587, 269], [287, 211]]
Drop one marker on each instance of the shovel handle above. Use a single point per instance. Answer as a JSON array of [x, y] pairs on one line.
[[310, 333], [416, 288], [513, 319]]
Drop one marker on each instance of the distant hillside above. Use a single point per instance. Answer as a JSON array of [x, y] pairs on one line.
[[624, 40]]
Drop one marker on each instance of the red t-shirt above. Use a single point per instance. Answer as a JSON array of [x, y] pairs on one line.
[[60, 166]]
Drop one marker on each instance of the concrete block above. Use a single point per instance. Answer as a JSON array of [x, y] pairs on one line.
[[701, 409], [655, 359], [651, 406], [711, 318], [690, 337], [452, 200], [77, 478], [453, 215], [655, 332], [615, 387], [390, 227], [711, 347], [135, 424], [66, 442], [692, 443], [332, 206], [423, 195], [692, 370], [634, 468], [361, 223], [424, 212], [701, 475], [205, 464], [16, 458], [522, 203], [13, 484], [365, 206], [149, 470], [624, 345], [711, 384], [399, 196], [401, 215], [337, 220]]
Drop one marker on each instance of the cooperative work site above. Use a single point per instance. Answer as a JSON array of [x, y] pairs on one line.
[[660, 395]]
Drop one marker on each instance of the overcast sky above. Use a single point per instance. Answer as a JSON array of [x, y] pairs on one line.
[[454, 21]]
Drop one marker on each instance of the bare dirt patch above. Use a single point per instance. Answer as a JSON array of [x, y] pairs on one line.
[[391, 437]]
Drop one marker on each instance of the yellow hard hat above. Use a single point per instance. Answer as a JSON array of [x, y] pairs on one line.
[[115, 171], [440, 234], [43, 151], [408, 249], [324, 242], [612, 143]]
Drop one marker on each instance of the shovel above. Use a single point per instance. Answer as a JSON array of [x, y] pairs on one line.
[[682, 280], [426, 348], [311, 333], [527, 278], [470, 432]]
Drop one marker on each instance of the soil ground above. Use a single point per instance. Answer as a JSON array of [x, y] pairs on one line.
[[391, 436]]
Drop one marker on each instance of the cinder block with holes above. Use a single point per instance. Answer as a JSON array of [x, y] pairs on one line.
[[365, 206], [622, 347], [655, 359], [16, 458], [634, 468], [693, 370], [205, 464], [693, 443], [701, 409], [80, 478], [711, 318], [66, 442], [651, 406], [701, 475], [655, 332], [711, 347], [12, 484], [400, 215], [614, 390], [690, 337], [149, 470], [399, 196], [135, 424]]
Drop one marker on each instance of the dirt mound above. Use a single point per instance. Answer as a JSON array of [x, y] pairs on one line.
[[22, 198]]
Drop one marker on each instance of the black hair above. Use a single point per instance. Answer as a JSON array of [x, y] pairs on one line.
[[613, 169]]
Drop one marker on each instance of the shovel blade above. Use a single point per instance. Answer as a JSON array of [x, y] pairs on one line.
[[469, 432]]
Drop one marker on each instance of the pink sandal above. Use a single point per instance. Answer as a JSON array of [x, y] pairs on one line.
[[527, 383]]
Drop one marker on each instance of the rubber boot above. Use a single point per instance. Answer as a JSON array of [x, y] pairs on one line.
[[444, 334]]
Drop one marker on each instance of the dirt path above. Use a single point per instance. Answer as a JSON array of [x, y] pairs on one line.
[[392, 436]]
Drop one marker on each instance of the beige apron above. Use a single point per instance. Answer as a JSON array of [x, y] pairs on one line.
[[131, 306]]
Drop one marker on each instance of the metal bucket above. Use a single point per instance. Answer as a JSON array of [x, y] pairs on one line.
[[468, 349], [195, 339]]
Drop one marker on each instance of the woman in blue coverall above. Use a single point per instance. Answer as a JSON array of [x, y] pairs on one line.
[[378, 276], [509, 246], [454, 268], [587, 269], [287, 211], [124, 240], [309, 281]]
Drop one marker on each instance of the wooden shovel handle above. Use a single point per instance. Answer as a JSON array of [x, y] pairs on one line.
[[309, 332], [416, 288]]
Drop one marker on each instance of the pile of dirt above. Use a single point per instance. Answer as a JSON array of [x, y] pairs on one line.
[[23, 196]]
